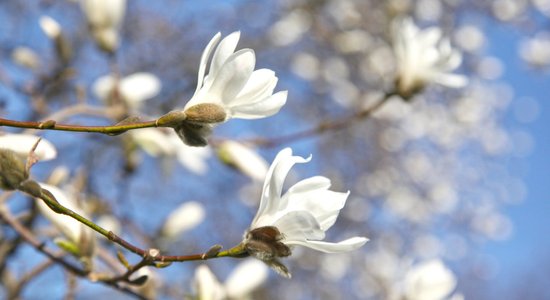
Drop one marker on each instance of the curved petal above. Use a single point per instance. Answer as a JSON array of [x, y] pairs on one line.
[[343, 246], [264, 108], [232, 76], [204, 59], [260, 85], [224, 50], [273, 184], [299, 225]]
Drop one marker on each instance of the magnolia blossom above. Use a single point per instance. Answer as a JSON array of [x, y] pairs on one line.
[[25, 57], [232, 89], [299, 217], [77, 233], [133, 89], [243, 280], [244, 159], [423, 56], [50, 27], [23, 143], [156, 142], [429, 280], [104, 18], [187, 216]]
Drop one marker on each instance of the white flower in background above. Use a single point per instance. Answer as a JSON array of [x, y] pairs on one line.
[[104, 19], [25, 57], [207, 285], [157, 143], [50, 27], [243, 159], [133, 89], [423, 57], [232, 89], [23, 143], [299, 217], [187, 216], [151, 286], [243, 280], [429, 280], [536, 51], [77, 233]]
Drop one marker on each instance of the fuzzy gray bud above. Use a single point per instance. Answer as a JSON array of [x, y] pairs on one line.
[[12, 170], [206, 113]]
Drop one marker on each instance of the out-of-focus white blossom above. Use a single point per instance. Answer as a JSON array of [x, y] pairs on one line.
[[536, 51], [243, 280], [50, 27], [469, 37], [232, 89], [429, 280], [150, 288], [299, 217], [104, 19], [207, 285], [77, 233], [23, 143], [133, 89], [290, 28], [25, 57], [185, 217], [423, 57], [244, 159], [156, 142]]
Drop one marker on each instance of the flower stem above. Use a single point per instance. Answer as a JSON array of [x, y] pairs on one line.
[[52, 125]]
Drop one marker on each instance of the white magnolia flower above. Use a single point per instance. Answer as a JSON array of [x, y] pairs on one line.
[[156, 142], [50, 27], [423, 56], [232, 89], [243, 159], [187, 216], [77, 233], [299, 217], [104, 18], [23, 143], [133, 89], [243, 280], [429, 280], [25, 57]]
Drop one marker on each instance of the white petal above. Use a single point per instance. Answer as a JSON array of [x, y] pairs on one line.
[[23, 143], [274, 180], [138, 87], [343, 246], [264, 108], [451, 80], [204, 60], [259, 86], [299, 225], [245, 278], [103, 87], [208, 286], [429, 280], [224, 50], [244, 159], [187, 216], [232, 77]]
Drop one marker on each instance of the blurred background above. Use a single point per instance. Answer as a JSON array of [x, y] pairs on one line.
[[454, 176]]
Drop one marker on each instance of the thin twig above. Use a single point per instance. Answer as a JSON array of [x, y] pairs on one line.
[[322, 127]]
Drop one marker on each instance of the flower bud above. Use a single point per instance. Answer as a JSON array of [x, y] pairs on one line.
[[12, 170], [206, 113]]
